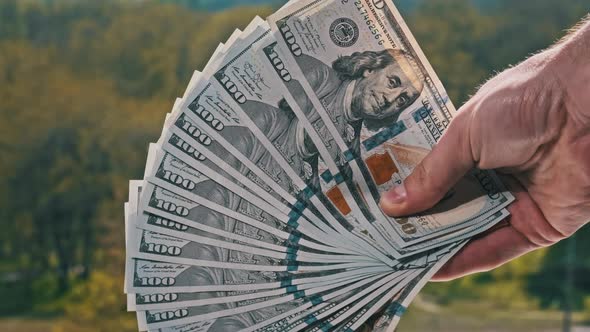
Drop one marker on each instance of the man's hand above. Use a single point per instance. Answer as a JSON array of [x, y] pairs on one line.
[[532, 123]]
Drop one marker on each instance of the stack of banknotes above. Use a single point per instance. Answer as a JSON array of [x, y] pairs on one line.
[[259, 207]]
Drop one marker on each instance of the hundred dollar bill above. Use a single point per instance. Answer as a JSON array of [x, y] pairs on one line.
[[168, 298], [172, 300], [129, 207], [383, 105], [180, 141], [179, 145], [352, 314], [316, 140], [314, 318], [183, 149], [130, 301], [451, 238], [275, 319], [163, 300], [205, 159], [280, 324], [390, 316], [421, 276], [206, 105], [266, 107], [235, 215], [260, 307], [148, 277], [165, 277], [318, 316], [330, 301], [177, 176], [338, 320], [176, 173], [197, 139], [151, 244], [216, 253]]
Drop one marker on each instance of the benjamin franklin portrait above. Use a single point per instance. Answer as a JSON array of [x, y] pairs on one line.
[[370, 89], [363, 91]]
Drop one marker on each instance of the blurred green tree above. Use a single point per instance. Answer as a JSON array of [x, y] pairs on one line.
[[549, 284], [451, 32], [84, 88], [97, 306]]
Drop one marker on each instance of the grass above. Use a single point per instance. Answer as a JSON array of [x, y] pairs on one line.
[[25, 324], [476, 316]]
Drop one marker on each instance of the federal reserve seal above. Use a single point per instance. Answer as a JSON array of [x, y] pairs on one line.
[[344, 32]]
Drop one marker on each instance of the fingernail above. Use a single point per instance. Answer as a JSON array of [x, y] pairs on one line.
[[396, 195]]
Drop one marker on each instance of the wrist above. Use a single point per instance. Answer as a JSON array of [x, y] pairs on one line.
[[571, 65]]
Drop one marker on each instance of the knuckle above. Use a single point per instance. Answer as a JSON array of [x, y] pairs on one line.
[[551, 234], [543, 239]]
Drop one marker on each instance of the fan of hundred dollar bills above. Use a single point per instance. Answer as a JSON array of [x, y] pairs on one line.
[[259, 208]]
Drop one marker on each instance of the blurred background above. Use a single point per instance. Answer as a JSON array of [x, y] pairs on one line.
[[85, 85]]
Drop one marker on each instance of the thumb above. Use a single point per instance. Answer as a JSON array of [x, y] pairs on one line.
[[446, 164]]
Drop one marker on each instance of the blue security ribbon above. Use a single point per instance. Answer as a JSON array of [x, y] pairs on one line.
[[293, 219], [396, 309], [308, 192], [286, 282], [299, 294], [310, 319], [348, 155], [327, 176], [294, 238], [384, 136], [316, 299], [299, 206], [339, 178]]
